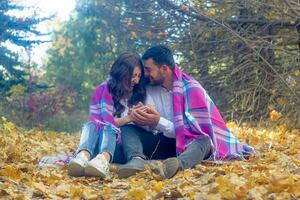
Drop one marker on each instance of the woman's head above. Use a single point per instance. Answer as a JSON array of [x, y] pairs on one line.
[[126, 71], [126, 77]]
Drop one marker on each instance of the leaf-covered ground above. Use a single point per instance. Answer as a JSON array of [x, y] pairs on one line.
[[273, 174]]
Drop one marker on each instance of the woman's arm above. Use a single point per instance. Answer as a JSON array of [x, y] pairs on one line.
[[123, 120]]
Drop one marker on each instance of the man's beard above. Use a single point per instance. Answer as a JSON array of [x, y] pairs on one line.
[[156, 82]]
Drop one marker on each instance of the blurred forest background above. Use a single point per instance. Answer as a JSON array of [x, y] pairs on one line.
[[246, 54]]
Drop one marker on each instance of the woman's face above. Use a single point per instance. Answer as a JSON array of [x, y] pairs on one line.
[[136, 76]]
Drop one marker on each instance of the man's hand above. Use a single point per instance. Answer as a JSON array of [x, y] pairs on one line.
[[145, 115], [140, 105]]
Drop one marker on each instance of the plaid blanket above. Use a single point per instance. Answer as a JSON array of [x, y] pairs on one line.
[[195, 116], [101, 110]]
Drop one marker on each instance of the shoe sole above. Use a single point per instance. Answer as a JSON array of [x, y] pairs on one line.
[[126, 172], [174, 163], [91, 171], [75, 170]]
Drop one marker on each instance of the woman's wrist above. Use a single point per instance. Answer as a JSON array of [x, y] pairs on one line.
[[128, 119]]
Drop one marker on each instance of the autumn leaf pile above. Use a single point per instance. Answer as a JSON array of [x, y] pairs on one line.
[[273, 174]]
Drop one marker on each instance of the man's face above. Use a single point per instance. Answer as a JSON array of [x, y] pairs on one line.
[[153, 72]]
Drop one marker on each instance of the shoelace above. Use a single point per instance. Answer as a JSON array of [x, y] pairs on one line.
[[82, 159], [102, 160]]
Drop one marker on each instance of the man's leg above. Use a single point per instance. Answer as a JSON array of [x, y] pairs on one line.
[[119, 157], [137, 144], [131, 142], [197, 151], [166, 148]]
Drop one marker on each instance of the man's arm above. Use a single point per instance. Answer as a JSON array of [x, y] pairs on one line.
[[166, 127]]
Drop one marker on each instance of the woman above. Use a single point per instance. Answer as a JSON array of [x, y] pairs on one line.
[[109, 108]]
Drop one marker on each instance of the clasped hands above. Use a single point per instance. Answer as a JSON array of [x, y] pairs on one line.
[[144, 115]]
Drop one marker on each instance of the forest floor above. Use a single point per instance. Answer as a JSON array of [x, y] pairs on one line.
[[274, 173]]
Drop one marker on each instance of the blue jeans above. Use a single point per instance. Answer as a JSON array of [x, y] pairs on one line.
[[96, 142]]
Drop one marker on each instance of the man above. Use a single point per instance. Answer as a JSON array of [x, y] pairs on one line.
[[185, 125]]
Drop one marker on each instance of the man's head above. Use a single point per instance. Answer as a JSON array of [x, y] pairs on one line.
[[158, 64]]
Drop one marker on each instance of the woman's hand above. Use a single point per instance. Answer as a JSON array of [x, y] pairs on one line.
[[145, 115]]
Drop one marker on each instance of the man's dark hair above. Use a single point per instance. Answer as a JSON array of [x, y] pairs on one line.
[[161, 55]]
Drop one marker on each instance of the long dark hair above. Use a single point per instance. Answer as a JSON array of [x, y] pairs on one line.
[[119, 83]]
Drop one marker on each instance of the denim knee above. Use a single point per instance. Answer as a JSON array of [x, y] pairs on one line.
[[107, 143], [196, 151], [89, 138], [89, 125], [127, 128]]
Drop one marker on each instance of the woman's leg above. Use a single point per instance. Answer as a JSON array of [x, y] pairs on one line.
[[99, 165], [87, 146], [89, 141], [107, 143]]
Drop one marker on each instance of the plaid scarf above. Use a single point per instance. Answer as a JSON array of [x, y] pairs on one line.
[[195, 116], [101, 110]]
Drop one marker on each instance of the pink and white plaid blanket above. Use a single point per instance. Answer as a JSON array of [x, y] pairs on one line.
[[195, 116]]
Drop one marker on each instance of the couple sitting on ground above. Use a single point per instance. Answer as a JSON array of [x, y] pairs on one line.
[[155, 112]]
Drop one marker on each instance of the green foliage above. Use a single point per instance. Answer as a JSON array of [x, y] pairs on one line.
[[245, 53], [16, 31], [66, 122], [84, 47], [38, 108]]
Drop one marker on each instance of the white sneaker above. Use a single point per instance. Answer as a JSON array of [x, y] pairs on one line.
[[76, 166], [97, 167]]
